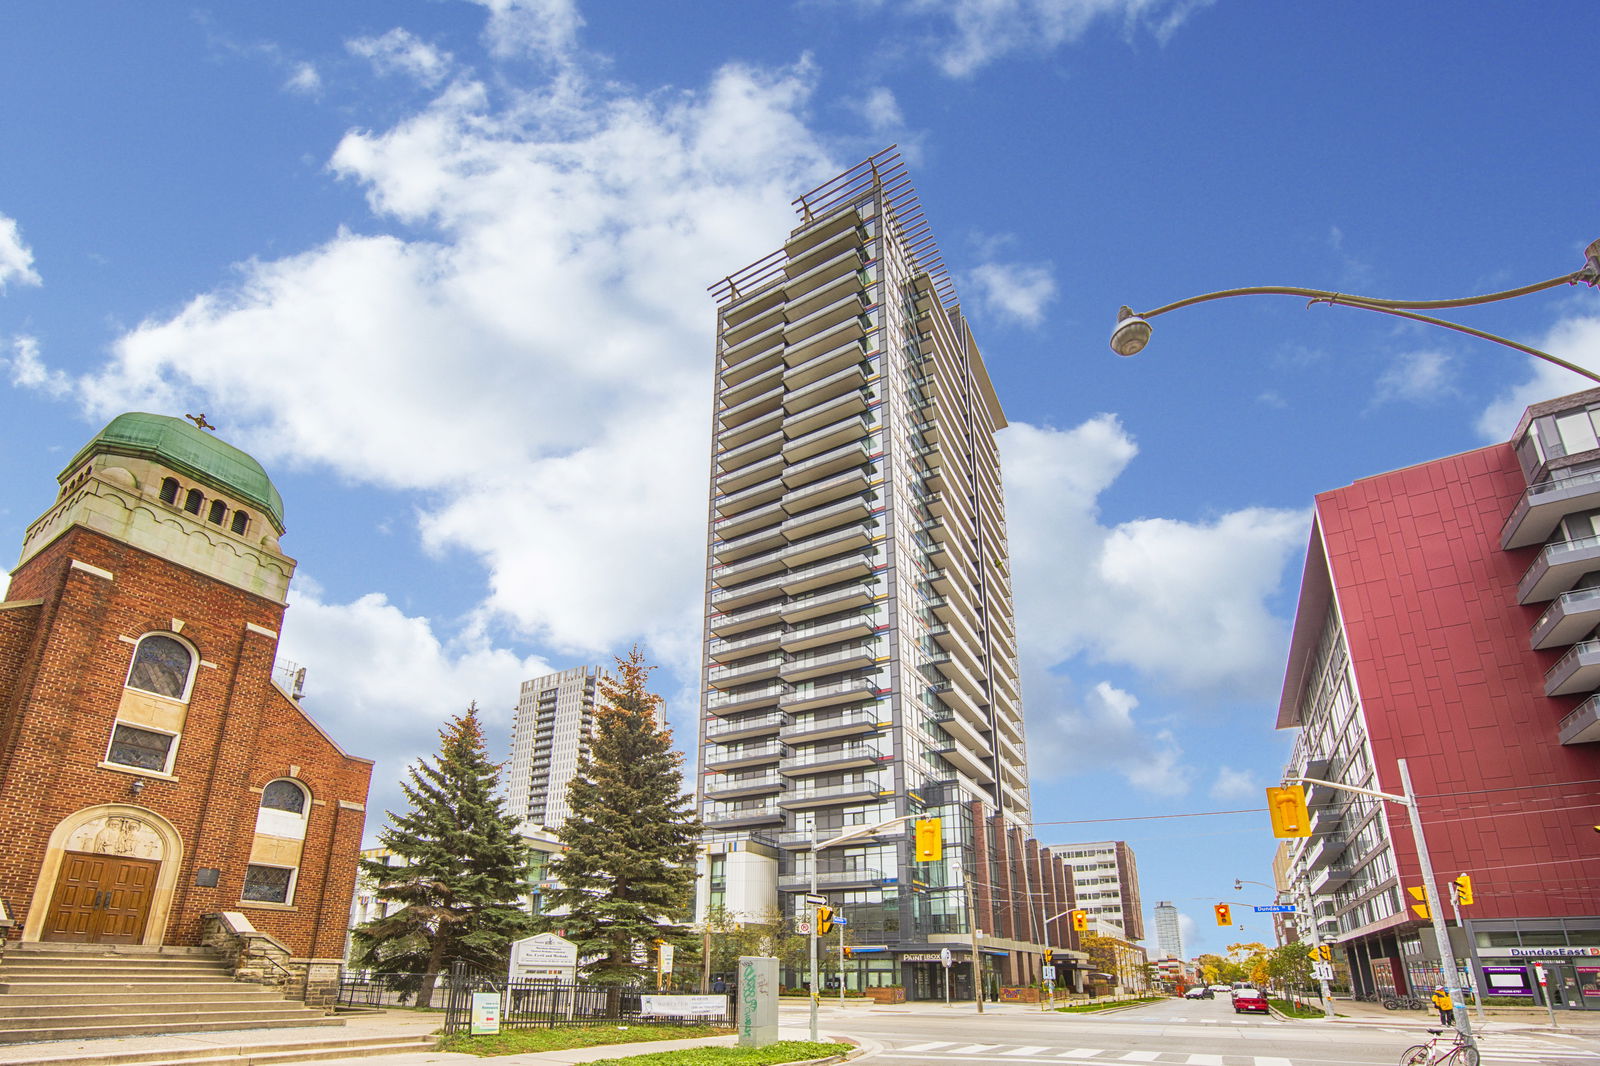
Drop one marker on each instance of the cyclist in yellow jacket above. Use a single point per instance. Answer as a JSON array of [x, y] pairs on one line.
[[1443, 1004]]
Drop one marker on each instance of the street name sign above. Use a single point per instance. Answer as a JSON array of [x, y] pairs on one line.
[[1276, 908]]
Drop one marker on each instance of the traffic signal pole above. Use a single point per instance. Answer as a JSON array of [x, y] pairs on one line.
[[1447, 956]]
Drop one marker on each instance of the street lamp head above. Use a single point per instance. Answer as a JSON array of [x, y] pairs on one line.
[[1132, 333], [1590, 274]]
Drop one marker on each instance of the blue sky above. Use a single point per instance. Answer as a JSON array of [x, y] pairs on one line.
[[441, 266]]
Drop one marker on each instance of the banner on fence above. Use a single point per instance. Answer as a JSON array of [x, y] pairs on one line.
[[684, 1006], [485, 1013]]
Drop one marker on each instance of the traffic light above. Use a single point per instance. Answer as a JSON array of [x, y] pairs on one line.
[[1461, 888], [930, 840], [1421, 907], [1224, 914], [1287, 808], [824, 921], [1080, 921], [849, 952], [1324, 952]]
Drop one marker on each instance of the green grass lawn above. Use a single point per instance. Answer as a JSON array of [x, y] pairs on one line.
[[1089, 1008], [1287, 1008], [771, 1055], [516, 1041]]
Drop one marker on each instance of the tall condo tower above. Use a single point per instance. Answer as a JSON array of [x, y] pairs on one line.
[[861, 658], [1169, 938], [554, 720]]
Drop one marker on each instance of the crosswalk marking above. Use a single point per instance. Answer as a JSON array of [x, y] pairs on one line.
[[1204, 1060], [1268, 1060], [927, 1047], [1032, 1049], [972, 1049], [1140, 1056], [1081, 1053]]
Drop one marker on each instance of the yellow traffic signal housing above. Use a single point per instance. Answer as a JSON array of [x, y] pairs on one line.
[[1224, 914], [1461, 888], [1287, 808], [930, 840], [1080, 921], [824, 921], [1421, 909], [1325, 952]]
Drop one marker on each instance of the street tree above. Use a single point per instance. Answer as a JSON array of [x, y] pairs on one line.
[[626, 877], [458, 873]]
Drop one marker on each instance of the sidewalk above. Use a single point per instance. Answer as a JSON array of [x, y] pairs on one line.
[[1584, 1023]]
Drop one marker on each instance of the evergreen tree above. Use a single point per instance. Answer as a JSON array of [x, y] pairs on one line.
[[627, 875], [461, 873]]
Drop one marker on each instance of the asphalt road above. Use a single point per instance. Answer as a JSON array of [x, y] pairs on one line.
[[1189, 1032]]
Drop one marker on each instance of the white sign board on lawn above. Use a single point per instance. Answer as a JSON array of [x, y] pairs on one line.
[[485, 1013], [546, 956]]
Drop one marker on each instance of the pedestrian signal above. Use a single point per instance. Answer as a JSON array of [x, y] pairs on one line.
[[824, 921], [930, 840], [1080, 921], [1287, 808], [1224, 914], [1461, 889], [1420, 908]]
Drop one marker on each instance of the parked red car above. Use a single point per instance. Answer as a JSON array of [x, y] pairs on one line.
[[1249, 999]]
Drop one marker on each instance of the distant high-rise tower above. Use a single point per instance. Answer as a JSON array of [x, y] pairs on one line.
[[861, 659], [555, 716], [1169, 938]]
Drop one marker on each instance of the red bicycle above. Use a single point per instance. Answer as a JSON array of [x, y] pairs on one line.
[[1437, 1052]]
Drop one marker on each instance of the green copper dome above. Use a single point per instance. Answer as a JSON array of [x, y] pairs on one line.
[[183, 447]]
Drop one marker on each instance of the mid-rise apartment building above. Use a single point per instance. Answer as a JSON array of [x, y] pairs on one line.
[[861, 655], [1105, 877], [554, 720], [1447, 616]]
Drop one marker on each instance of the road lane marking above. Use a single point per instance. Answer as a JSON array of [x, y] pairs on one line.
[[926, 1047], [1082, 1053], [1140, 1056], [1032, 1049], [971, 1049]]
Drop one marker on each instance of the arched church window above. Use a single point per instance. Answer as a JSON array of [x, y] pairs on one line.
[[162, 665], [219, 511], [169, 490], [192, 501], [241, 522]]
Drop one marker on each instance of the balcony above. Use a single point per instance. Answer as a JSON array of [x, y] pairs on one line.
[[752, 356], [830, 632], [826, 545], [723, 786], [753, 451], [1557, 568], [835, 662], [968, 762], [847, 262], [1330, 877], [746, 322], [726, 625], [839, 383], [836, 880], [830, 795], [1543, 506], [726, 677], [735, 526], [823, 519], [1569, 619], [826, 438], [726, 577], [802, 607], [756, 406], [850, 691], [725, 599], [965, 730], [1576, 671], [732, 757], [721, 703], [855, 453], [952, 669], [742, 478], [957, 699], [850, 331], [729, 816], [1582, 724], [730, 439], [745, 727], [732, 549], [823, 242], [824, 295], [825, 414], [820, 365], [847, 757], [827, 573], [745, 310], [762, 492], [727, 651], [827, 725], [824, 316], [850, 483]]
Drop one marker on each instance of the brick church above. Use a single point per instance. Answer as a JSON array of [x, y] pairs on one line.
[[154, 781]]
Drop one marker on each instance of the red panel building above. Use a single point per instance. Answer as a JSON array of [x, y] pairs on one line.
[[1446, 617], [157, 787]]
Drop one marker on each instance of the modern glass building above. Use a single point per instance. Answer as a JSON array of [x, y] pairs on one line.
[[861, 656]]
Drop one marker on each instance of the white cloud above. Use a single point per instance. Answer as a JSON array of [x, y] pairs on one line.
[[1182, 602], [1097, 733], [537, 365], [28, 370], [1016, 292], [545, 29], [16, 258], [982, 31], [1233, 784], [400, 52], [1575, 339], [1417, 377], [1186, 932], [304, 80], [380, 682], [881, 110]]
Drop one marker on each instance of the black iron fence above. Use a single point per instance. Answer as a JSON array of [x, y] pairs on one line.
[[535, 1004], [358, 989]]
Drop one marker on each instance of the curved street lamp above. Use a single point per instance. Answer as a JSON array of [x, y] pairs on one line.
[[1133, 328]]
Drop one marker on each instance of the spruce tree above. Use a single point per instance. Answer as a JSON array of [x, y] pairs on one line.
[[626, 877], [461, 873]]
